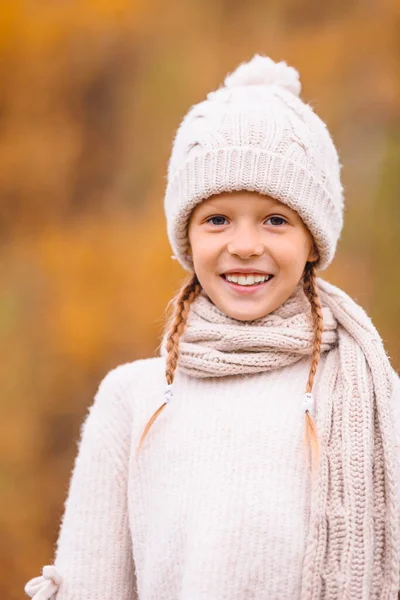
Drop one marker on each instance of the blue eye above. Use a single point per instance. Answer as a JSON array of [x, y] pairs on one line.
[[216, 220], [277, 221]]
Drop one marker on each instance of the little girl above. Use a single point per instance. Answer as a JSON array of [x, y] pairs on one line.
[[257, 457]]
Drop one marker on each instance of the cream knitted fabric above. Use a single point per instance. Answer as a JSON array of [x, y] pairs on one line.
[[255, 133], [215, 345], [353, 544], [218, 505]]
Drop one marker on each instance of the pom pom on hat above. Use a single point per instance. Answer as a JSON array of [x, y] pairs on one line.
[[262, 70]]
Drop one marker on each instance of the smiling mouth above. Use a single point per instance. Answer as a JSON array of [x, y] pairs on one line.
[[247, 280]]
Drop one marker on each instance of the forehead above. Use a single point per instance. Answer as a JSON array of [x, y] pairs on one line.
[[240, 200]]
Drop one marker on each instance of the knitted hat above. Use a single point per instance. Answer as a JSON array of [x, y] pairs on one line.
[[255, 133]]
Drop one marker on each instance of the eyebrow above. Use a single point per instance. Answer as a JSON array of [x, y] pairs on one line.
[[207, 206], [210, 206]]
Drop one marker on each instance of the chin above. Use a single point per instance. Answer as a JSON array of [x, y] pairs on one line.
[[243, 314]]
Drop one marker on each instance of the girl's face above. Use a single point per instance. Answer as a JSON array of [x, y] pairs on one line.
[[249, 252]]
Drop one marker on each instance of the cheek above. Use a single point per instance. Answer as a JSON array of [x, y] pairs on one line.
[[292, 252], [205, 252]]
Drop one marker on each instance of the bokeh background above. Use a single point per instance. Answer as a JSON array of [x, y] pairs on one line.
[[91, 94]]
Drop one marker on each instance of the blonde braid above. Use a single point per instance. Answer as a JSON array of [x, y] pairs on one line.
[[182, 301], [311, 291]]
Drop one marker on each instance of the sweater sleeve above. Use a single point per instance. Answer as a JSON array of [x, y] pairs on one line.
[[93, 556], [396, 414]]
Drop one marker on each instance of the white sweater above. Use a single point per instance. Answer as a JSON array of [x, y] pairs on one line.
[[216, 507]]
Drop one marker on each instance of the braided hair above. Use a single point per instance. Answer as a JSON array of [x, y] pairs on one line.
[[181, 302]]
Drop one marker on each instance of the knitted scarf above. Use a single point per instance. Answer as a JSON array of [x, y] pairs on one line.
[[352, 544]]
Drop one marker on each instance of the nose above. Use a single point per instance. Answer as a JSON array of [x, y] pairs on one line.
[[245, 243]]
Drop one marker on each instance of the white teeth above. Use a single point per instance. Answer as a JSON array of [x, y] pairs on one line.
[[247, 279]]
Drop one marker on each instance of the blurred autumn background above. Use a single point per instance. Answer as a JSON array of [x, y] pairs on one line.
[[91, 94]]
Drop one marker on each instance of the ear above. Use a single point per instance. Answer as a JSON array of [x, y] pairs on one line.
[[313, 255], [188, 254]]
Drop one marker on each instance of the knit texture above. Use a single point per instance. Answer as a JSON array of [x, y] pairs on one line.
[[353, 544], [220, 503], [254, 133], [217, 506], [215, 345]]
